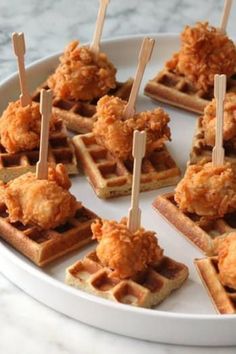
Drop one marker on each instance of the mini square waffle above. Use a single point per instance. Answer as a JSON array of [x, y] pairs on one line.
[[60, 150], [79, 116], [203, 153], [111, 177], [145, 290], [223, 298], [43, 246], [174, 89], [201, 231]]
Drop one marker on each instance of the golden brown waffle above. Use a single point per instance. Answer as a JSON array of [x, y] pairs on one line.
[[223, 298], [145, 290], [60, 150], [202, 232], [79, 116], [174, 89], [111, 177], [42, 246], [202, 153]]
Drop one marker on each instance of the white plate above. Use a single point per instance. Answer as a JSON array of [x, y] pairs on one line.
[[187, 316]]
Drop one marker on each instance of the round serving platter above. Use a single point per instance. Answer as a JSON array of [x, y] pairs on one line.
[[187, 316]]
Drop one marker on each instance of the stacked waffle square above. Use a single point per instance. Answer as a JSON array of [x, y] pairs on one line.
[[203, 233], [202, 152], [187, 79], [146, 290], [79, 116], [43, 246], [111, 177], [223, 298], [60, 150], [176, 90]]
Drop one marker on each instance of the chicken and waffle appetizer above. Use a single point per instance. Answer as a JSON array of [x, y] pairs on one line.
[[203, 206], [218, 274], [124, 252], [44, 203], [84, 72], [106, 154], [41, 218], [20, 127], [81, 78], [115, 133], [82, 75], [207, 190], [204, 52], [204, 137], [229, 128], [20, 139], [127, 267], [188, 78]]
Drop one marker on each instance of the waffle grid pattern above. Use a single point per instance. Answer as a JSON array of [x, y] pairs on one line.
[[112, 177], [43, 246], [202, 232], [202, 153], [223, 298], [146, 290], [79, 116], [60, 150], [176, 90]]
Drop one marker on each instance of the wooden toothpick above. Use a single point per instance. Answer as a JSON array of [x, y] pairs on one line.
[[46, 111], [95, 44], [218, 152], [139, 148], [225, 15], [144, 57], [18, 42]]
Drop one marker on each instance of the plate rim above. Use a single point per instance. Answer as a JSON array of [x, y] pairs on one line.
[[104, 41], [56, 283]]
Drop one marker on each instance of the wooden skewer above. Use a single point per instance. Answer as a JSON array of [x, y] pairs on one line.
[[46, 111], [19, 49], [95, 44], [144, 57], [225, 15], [139, 148], [218, 152]]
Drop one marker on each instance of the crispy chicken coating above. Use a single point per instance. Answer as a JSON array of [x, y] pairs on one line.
[[59, 175], [43, 203], [82, 74], [125, 253], [207, 190], [204, 52], [209, 120], [116, 134], [227, 261], [20, 127], [2, 192]]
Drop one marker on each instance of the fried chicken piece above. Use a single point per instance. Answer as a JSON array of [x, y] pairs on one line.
[[43, 203], [82, 74], [207, 190], [227, 261], [59, 175], [116, 134], [20, 127], [2, 192], [209, 120], [204, 52], [125, 253]]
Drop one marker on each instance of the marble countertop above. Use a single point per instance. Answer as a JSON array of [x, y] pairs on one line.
[[48, 26]]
